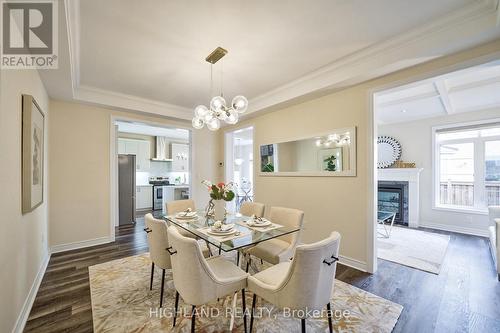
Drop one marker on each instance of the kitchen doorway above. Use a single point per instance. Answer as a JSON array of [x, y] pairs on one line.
[[239, 165], [161, 170]]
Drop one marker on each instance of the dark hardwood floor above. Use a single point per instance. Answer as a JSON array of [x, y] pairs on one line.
[[464, 297]]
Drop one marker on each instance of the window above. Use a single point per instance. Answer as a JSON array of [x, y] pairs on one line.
[[467, 166]]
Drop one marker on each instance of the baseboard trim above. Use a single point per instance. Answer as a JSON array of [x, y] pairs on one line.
[[354, 263], [454, 228], [80, 244], [28, 303]]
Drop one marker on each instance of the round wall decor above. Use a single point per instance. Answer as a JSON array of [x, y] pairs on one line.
[[389, 151]]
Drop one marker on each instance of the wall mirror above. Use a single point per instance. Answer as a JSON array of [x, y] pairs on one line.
[[389, 151], [332, 153]]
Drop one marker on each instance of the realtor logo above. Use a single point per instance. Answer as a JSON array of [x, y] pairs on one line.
[[29, 35]]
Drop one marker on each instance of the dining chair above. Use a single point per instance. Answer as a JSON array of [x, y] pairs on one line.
[[249, 208], [158, 243], [280, 249], [157, 237], [303, 285], [199, 280], [177, 206]]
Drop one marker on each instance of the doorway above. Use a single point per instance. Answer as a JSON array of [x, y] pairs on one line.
[[239, 165]]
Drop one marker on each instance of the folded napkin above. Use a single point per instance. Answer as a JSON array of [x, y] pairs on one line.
[[257, 222]]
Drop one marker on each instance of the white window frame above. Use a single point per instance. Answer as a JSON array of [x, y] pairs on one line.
[[479, 167]]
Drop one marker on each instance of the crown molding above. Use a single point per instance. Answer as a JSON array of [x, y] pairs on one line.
[[130, 102], [427, 42]]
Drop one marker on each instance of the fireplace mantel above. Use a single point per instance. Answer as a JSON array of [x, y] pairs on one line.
[[412, 176]]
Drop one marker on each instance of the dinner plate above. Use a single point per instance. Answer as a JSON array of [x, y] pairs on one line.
[[222, 233], [264, 223], [186, 216]]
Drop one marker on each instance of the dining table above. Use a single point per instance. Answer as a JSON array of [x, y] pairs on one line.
[[245, 234]]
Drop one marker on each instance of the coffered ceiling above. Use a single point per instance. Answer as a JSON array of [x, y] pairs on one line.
[[148, 56], [470, 90]]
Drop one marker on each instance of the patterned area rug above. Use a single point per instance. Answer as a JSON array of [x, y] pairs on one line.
[[122, 302], [414, 248]]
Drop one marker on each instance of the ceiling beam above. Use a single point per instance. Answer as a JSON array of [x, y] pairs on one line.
[[444, 96]]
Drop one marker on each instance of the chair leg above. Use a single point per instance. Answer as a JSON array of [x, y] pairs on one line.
[[152, 274], [261, 262], [176, 306], [498, 276], [238, 259], [162, 286], [303, 324], [248, 263], [329, 312], [243, 303], [193, 318], [251, 313]]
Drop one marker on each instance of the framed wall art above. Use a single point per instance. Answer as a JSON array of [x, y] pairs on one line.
[[33, 131]]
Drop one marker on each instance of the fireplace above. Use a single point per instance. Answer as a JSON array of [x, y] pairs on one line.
[[393, 197]]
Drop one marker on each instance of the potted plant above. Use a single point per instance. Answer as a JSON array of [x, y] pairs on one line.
[[219, 194]]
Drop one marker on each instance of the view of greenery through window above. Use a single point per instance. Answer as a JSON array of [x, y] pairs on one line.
[[469, 167]]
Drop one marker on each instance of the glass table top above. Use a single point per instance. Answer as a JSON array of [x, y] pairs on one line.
[[382, 216], [249, 236]]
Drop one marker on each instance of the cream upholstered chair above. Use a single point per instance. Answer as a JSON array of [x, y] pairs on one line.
[[249, 208], [494, 229], [280, 249], [305, 283], [177, 206], [158, 242], [199, 280]]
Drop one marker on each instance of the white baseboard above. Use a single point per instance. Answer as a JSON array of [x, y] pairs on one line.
[[28, 303], [454, 228], [354, 263], [80, 244]]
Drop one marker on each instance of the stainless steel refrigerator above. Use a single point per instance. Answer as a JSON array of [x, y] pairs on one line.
[[126, 189]]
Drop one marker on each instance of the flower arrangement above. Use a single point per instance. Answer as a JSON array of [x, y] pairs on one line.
[[220, 191]]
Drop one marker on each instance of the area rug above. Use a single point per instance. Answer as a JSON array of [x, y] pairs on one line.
[[414, 248], [122, 302]]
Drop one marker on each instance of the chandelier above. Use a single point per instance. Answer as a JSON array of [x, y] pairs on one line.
[[336, 139], [218, 110]]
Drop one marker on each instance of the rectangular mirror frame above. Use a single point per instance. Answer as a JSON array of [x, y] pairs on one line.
[[345, 173]]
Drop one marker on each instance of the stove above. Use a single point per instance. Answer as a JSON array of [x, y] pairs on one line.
[[158, 183]]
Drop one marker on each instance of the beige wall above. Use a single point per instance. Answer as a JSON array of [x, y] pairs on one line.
[[416, 140], [80, 177], [23, 240], [336, 203]]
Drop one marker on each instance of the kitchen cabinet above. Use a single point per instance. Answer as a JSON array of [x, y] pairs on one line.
[[139, 148], [180, 157], [144, 197]]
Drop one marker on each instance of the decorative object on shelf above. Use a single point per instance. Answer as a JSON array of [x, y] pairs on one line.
[[33, 133], [218, 110], [389, 151], [403, 164], [219, 194]]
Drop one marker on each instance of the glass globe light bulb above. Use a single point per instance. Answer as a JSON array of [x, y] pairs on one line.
[[240, 103], [217, 103], [208, 117], [213, 124], [232, 118], [198, 123], [200, 111], [221, 115]]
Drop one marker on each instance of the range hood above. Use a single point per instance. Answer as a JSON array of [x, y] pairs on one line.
[[162, 150]]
